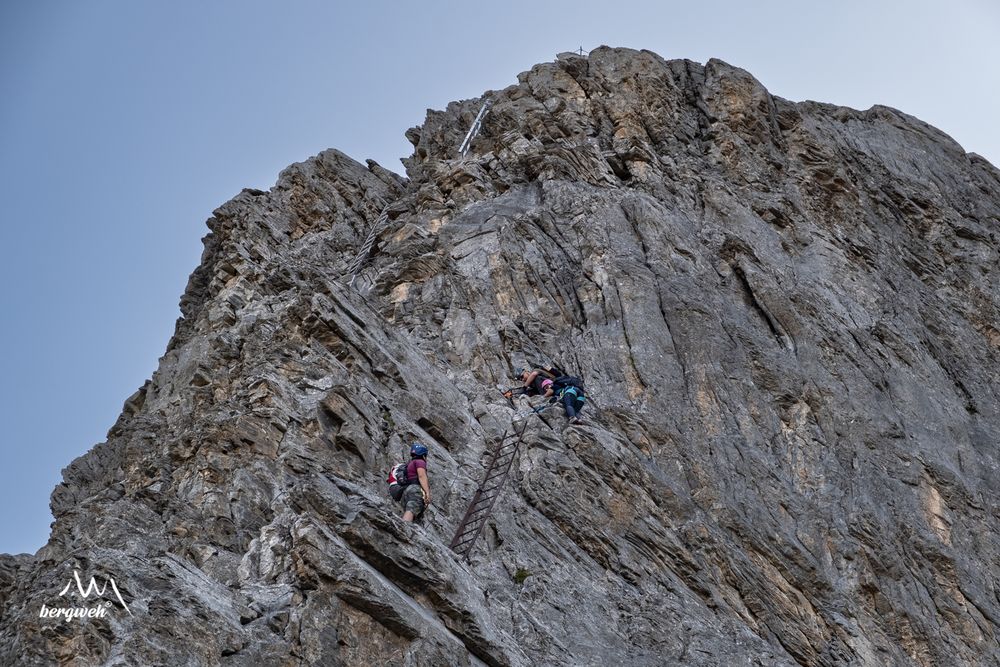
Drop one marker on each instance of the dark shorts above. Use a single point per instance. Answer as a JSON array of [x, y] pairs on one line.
[[413, 499]]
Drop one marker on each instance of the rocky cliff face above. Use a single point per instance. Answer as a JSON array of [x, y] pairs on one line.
[[787, 319]]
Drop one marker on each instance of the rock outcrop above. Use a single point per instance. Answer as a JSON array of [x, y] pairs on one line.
[[786, 315]]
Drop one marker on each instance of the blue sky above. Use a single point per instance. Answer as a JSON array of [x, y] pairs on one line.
[[124, 124]]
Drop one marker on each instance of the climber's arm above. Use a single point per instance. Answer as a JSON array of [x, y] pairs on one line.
[[424, 485]]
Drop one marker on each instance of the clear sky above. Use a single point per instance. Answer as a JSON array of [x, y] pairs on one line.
[[124, 124]]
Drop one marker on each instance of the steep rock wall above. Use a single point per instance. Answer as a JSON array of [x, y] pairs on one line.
[[786, 315]]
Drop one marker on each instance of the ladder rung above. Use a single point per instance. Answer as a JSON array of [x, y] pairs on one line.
[[465, 541], [466, 535], [466, 527], [489, 477], [473, 530], [472, 526], [481, 507], [466, 538], [501, 456], [498, 464], [472, 518], [502, 470], [469, 529], [468, 518], [493, 484], [484, 507]]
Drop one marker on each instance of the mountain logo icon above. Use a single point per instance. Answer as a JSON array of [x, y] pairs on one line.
[[93, 588]]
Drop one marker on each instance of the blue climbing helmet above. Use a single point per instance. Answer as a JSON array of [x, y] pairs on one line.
[[416, 449]]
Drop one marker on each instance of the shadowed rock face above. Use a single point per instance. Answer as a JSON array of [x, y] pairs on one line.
[[787, 319]]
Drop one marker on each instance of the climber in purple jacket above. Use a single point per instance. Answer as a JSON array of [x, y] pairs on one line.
[[416, 495]]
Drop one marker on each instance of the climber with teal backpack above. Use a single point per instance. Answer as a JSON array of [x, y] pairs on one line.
[[554, 384], [569, 391], [408, 483]]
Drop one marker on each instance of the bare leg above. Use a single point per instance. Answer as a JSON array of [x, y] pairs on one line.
[[407, 516]]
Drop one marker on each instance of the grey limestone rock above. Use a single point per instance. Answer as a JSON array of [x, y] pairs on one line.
[[786, 315]]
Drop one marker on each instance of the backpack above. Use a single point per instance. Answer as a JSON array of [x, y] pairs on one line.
[[551, 372], [564, 381], [397, 480]]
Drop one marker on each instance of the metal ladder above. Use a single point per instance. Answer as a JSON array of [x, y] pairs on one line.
[[373, 233], [485, 498], [474, 130], [366, 247]]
